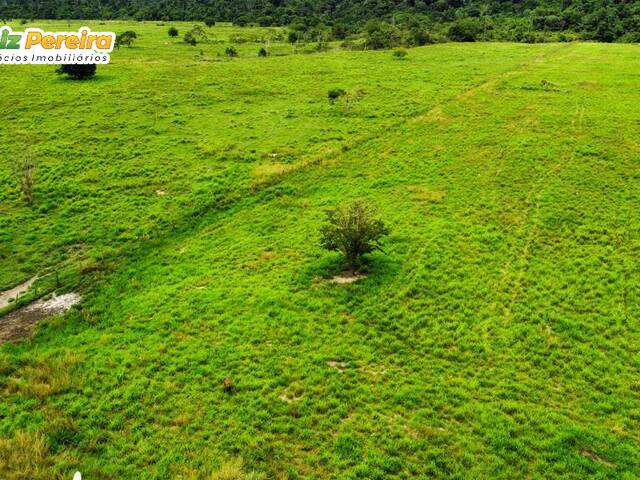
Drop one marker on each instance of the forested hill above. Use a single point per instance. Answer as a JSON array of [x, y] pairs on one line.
[[606, 20]]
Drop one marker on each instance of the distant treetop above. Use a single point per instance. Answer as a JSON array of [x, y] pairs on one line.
[[603, 20]]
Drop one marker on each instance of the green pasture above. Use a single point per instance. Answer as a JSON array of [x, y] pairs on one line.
[[181, 193]]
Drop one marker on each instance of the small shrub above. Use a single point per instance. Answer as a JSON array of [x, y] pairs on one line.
[[190, 39], [421, 37], [354, 231], [126, 38], [210, 22], [336, 93], [293, 36], [78, 72], [25, 174], [400, 54], [195, 36], [263, 52], [173, 32], [231, 52]]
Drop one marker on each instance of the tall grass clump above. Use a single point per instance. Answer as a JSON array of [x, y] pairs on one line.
[[25, 172]]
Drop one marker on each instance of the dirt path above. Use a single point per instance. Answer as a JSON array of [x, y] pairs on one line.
[[7, 296]]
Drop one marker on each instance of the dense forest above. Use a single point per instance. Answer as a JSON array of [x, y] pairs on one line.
[[529, 20]]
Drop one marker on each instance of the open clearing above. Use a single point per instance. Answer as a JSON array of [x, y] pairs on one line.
[[498, 337]]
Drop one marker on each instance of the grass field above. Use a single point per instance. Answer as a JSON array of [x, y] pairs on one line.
[[181, 193]]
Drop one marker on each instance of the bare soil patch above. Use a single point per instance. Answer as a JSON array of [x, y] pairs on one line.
[[290, 398], [21, 323], [348, 277]]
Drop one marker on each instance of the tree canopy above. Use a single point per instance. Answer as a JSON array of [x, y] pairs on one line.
[[603, 20]]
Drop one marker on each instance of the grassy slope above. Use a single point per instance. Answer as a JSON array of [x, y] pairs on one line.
[[498, 338]]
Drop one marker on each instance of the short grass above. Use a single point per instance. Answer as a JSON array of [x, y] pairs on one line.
[[182, 192]]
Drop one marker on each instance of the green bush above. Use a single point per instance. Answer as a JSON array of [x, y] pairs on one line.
[[293, 36], [263, 52], [126, 38], [77, 72], [400, 53], [336, 93], [421, 37], [209, 22], [190, 39], [353, 230], [231, 52], [173, 32]]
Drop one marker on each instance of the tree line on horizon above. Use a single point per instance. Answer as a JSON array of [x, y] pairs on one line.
[[528, 20]]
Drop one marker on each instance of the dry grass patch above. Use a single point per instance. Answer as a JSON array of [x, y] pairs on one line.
[[424, 194], [234, 470], [267, 172], [44, 377], [24, 456]]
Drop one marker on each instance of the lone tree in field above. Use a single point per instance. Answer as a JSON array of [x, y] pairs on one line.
[[26, 175], [353, 230], [173, 32], [78, 72], [126, 39]]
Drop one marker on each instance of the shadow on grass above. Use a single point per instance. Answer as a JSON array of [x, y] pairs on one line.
[[99, 78], [376, 268]]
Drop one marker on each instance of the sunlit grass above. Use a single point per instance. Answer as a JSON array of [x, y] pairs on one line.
[[496, 336]]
